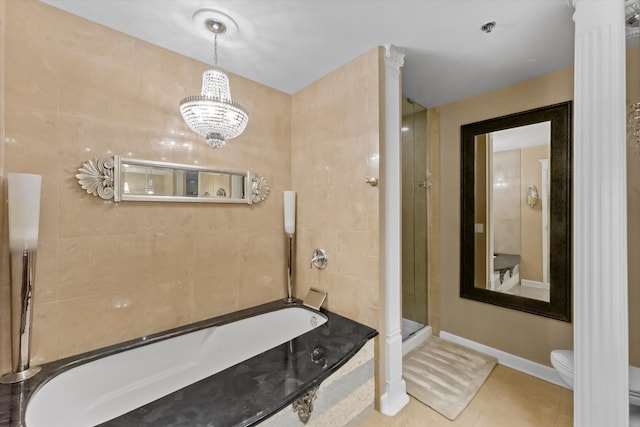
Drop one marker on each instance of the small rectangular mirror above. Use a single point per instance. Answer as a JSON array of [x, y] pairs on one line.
[[124, 179], [144, 181]]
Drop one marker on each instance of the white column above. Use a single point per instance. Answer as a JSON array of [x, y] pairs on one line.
[[394, 396], [601, 341]]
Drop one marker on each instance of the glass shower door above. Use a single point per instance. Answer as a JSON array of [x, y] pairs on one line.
[[414, 218]]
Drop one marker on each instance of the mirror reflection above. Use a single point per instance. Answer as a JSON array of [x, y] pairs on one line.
[[511, 217], [142, 180], [123, 179], [515, 234]]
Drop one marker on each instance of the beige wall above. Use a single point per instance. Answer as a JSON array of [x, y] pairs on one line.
[[75, 90], [525, 335], [334, 145], [522, 334], [481, 245], [633, 214]]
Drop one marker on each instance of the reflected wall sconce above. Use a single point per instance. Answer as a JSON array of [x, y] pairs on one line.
[[532, 196], [213, 114]]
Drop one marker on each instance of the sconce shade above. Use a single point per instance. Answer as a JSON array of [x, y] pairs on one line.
[[213, 114], [24, 210], [290, 212]]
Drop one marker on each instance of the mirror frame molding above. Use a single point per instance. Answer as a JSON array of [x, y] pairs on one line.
[[560, 236]]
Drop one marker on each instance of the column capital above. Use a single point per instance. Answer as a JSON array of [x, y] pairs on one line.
[[392, 58]]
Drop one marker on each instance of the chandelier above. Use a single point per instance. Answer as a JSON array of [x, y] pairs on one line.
[[213, 114]]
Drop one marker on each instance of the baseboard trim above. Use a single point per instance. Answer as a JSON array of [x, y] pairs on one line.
[[534, 284], [526, 366], [416, 340]]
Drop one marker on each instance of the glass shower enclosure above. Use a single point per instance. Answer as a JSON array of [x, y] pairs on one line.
[[414, 218]]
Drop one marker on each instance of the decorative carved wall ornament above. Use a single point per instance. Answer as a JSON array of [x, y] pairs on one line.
[[304, 404], [96, 177], [259, 188]]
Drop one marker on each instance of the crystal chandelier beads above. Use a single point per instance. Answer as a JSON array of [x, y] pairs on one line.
[[213, 114]]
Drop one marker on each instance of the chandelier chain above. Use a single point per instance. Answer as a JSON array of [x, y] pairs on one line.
[[215, 50]]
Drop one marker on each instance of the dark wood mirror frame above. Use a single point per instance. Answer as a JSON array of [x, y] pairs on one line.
[[559, 306]]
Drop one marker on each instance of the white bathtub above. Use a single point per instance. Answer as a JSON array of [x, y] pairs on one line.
[[105, 388]]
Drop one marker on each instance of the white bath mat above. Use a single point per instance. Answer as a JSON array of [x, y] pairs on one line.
[[445, 376]]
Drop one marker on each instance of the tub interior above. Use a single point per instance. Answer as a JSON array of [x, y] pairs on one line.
[[105, 388]]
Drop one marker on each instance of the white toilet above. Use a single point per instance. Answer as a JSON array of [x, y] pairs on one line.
[[562, 361]]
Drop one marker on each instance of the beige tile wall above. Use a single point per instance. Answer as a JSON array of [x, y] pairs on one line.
[[75, 90], [335, 144], [506, 202]]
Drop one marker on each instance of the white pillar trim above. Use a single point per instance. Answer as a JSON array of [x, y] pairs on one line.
[[601, 341], [394, 396]]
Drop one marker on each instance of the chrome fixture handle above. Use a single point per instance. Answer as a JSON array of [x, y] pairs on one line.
[[319, 259], [371, 180]]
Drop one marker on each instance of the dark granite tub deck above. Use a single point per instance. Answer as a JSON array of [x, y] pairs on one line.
[[242, 395]]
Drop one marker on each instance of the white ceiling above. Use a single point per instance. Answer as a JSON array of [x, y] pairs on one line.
[[522, 137], [288, 44]]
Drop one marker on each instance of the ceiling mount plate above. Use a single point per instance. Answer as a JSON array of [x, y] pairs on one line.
[[202, 18]]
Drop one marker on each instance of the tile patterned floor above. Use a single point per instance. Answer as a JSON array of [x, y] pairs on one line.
[[507, 399]]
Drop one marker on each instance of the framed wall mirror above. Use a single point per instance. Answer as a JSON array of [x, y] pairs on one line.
[[123, 179], [515, 248]]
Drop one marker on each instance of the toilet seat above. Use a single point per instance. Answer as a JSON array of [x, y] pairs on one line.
[[563, 359]]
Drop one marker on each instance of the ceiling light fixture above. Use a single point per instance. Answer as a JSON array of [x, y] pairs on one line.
[[213, 114]]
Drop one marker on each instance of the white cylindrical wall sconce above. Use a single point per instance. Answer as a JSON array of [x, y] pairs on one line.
[[289, 212], [290, 230], [24, 219], [24, 210]]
